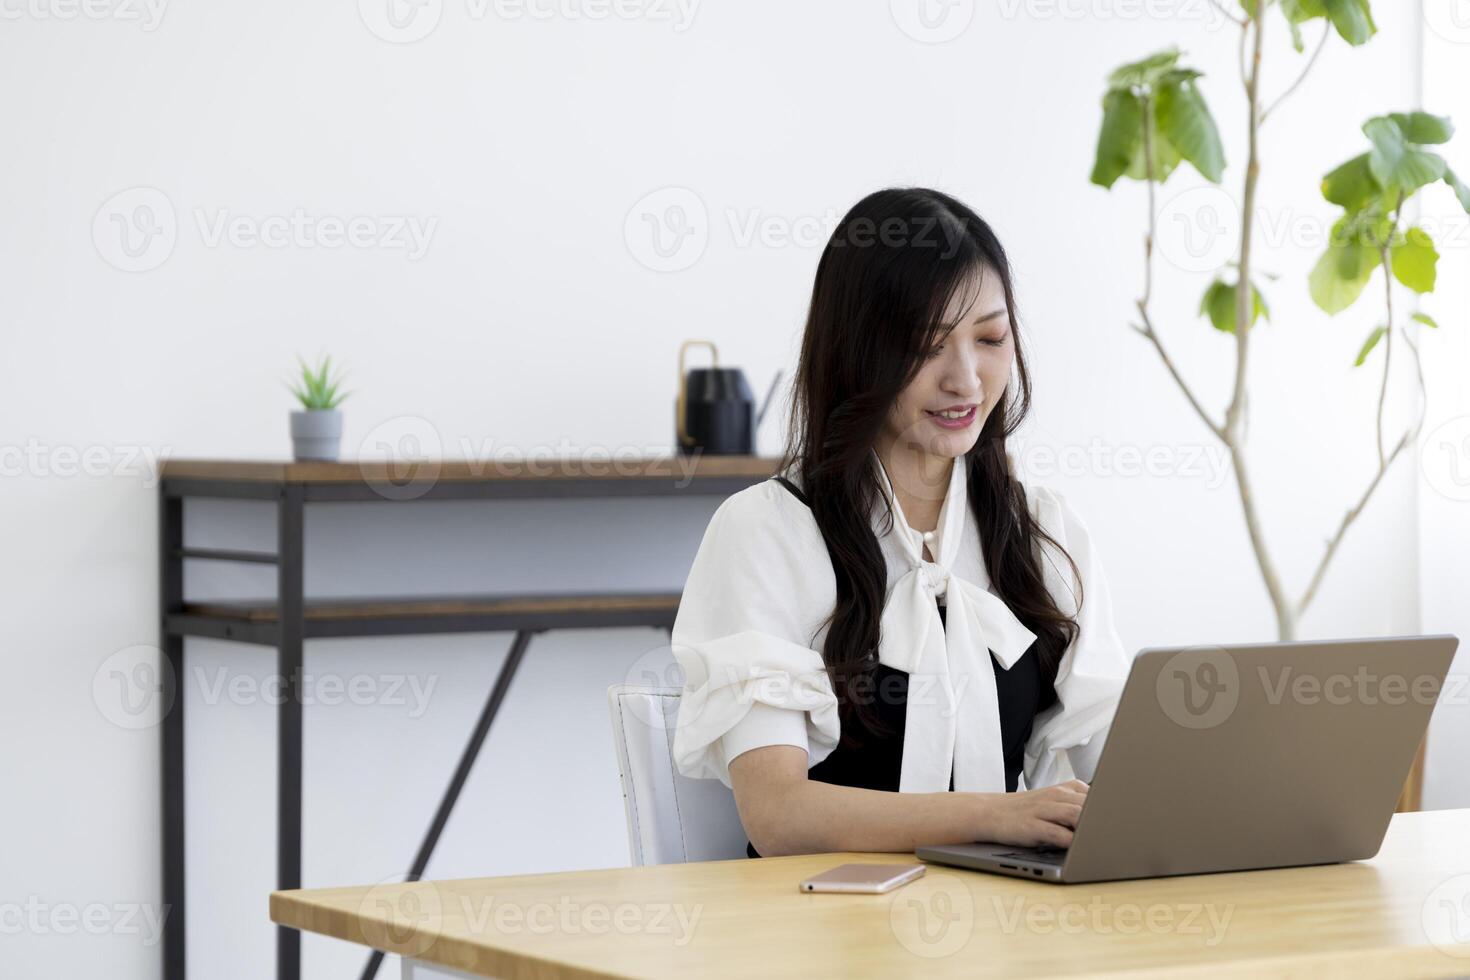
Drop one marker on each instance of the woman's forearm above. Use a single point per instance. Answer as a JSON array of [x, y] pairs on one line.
[[784, 812], [815, 816]]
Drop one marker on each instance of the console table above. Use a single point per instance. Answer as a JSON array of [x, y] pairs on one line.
[[290, 618]]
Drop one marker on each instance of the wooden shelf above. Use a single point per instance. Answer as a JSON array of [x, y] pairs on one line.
[[255, 621], [466, 479], [567, 468]]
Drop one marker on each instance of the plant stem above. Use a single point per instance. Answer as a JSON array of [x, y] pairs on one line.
[[1326, 32], [1347, 522], [1384, 462], [1227, 432], [1228, 15], [1423, 391], [1285, 618], [1244, 297], [1153, 336], [1352, 515], [1230, 431], [1387, 352], [1148, 238], [1148, 273], [1244, 300], [1385, 259]]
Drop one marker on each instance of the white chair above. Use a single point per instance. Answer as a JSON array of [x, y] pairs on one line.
[[671, 818]]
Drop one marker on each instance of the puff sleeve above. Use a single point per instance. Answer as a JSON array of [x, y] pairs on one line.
[[1067, 738], [760, 588]]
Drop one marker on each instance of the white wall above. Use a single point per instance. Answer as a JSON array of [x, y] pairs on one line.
[[523, 147], [1444, 461]]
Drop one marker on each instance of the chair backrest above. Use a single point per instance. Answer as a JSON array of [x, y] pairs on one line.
[[671, 818]]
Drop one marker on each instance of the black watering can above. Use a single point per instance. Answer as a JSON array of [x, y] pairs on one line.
[[715, 412]]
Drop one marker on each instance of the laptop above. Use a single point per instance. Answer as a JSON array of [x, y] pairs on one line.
[[1236, 758]]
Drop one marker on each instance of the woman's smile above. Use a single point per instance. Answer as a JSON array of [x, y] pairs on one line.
[[946, 421]]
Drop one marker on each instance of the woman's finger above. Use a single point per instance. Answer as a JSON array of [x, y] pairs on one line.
[[1066, 814]]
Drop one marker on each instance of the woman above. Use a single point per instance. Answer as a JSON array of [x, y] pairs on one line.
[[835, 625]]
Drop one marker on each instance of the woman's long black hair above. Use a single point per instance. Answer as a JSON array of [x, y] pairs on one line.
[[883, 284]]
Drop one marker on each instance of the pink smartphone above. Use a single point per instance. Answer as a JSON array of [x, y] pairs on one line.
[[863, 879]]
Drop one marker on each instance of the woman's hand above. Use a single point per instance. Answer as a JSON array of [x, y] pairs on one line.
[[1035, 818]]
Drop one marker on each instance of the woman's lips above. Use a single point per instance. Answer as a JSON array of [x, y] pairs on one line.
[[959, 423]]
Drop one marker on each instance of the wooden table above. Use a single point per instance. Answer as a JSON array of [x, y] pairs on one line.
[[1404, 913], [289, 618]]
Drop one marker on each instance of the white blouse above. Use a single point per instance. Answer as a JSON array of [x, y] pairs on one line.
[[749, 632]]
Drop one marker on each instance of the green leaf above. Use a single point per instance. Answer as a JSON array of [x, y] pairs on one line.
[[1121, 137], [1184, 118], [1351, 185], [1414, 260], [1352, 18], [317, 389], [1166, 158], [1158, 93], [1367, 8], [1296, 36], [1298, 12], [1218, 303], [1369, 228], [1462, 191], [1143, 74], [1369, 344], [1344, 269], [1421, 127], [1425, 319], [1295, 33], [1395, 164], [1301, 11]]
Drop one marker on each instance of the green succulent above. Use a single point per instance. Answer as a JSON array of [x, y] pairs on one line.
[[317, 391]]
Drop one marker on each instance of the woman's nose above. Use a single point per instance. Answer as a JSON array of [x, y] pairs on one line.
[[963, 377]]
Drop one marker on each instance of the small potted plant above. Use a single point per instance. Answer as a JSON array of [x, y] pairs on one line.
[[316, 430]]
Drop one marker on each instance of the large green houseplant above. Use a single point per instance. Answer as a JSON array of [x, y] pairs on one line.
[[1155, 118]]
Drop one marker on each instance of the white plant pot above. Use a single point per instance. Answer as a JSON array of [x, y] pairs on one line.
[[317, 435]]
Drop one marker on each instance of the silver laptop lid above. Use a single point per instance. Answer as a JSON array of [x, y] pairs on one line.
[[1255, 756]]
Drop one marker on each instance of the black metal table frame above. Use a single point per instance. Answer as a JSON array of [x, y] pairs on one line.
[[291, 629]]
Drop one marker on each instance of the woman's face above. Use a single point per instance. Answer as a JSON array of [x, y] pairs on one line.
[[966, 371]]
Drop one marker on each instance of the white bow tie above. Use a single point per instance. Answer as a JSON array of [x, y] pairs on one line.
[[952, 718]]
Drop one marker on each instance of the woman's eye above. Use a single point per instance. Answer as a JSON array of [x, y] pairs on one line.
[[935, 352]]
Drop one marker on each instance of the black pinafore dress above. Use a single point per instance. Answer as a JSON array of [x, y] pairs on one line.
[[877, 761]]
